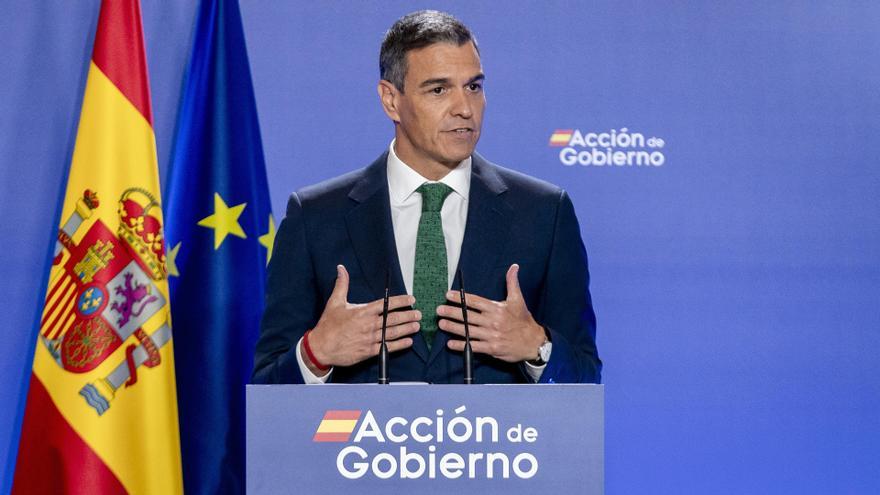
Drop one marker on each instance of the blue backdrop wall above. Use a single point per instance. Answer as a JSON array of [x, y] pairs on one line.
[[736, 276]]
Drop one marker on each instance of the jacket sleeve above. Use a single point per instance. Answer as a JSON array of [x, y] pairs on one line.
[[566, 308], [290, 302]]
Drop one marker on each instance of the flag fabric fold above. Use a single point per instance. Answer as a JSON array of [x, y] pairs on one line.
[[220, 235], [101, 412]]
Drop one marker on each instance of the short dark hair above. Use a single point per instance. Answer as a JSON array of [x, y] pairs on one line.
[[414, 31]]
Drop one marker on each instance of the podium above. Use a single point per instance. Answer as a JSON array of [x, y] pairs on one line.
[[362, 439]]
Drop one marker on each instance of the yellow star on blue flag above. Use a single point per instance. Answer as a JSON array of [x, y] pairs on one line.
[[171, 261], [224, 221], [267, 240]]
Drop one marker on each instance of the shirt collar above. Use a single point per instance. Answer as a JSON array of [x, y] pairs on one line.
[[403, 180]]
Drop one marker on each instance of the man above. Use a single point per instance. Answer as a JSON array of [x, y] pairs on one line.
[[426, 206]]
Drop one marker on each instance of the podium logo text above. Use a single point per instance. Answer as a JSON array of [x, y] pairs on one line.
[[437, 446]]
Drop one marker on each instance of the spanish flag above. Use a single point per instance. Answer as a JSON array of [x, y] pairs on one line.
[[336, 426], [101, 414], [561, 137]]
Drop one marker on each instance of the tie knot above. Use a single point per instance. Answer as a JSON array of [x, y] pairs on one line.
[[433, 195]]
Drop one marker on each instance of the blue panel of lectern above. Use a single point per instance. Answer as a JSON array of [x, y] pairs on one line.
[[425, 438]]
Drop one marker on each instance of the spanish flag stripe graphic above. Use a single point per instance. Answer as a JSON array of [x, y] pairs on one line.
[[331, 437], [337, 425], [97, 419], [339, 414], [561, 137]]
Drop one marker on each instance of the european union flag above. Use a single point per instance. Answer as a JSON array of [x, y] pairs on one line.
[[219, 236]]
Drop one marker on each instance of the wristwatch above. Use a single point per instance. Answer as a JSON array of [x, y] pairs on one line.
[[543, 350]]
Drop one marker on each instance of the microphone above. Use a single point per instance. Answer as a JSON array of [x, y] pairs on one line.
[[468, 352], [383, 347]]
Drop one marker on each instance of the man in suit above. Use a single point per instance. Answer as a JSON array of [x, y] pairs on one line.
[[426, 206]]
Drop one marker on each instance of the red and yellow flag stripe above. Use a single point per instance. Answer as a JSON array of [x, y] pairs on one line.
[[336, 426], [560, 137]]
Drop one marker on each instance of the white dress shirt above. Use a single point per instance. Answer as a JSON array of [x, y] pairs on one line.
[[406, 210]]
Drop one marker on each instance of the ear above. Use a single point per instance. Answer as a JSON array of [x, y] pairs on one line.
[[388, 96]]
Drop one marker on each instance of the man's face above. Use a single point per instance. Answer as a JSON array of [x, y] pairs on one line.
[[440, 114]]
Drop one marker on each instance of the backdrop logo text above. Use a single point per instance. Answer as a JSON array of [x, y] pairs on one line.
[[613, 148]]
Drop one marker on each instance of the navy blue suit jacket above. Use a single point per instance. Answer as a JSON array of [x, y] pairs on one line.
[[512, 218]]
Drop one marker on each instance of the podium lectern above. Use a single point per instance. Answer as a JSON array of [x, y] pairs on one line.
[[449, 439]]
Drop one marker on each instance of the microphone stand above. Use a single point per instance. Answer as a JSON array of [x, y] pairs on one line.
[[468, 352], [383, 347]]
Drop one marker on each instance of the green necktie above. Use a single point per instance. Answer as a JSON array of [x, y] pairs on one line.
[[430, 274]]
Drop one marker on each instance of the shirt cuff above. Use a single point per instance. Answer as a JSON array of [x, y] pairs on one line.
[[533, 371], [310, 378]]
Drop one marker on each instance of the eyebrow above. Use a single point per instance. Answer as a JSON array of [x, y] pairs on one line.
[[445, 80]]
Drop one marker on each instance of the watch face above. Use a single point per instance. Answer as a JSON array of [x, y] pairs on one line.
[[544, 351]]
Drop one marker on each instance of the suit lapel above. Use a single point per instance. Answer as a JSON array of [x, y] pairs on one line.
[[372, 236], [489, 220]]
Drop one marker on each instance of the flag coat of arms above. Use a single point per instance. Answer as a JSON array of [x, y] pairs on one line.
[[101, 413]]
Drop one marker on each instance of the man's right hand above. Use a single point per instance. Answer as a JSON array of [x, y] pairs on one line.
[[347, 333]]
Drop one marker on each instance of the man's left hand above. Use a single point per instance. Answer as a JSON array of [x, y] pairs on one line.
[[502, 329]]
